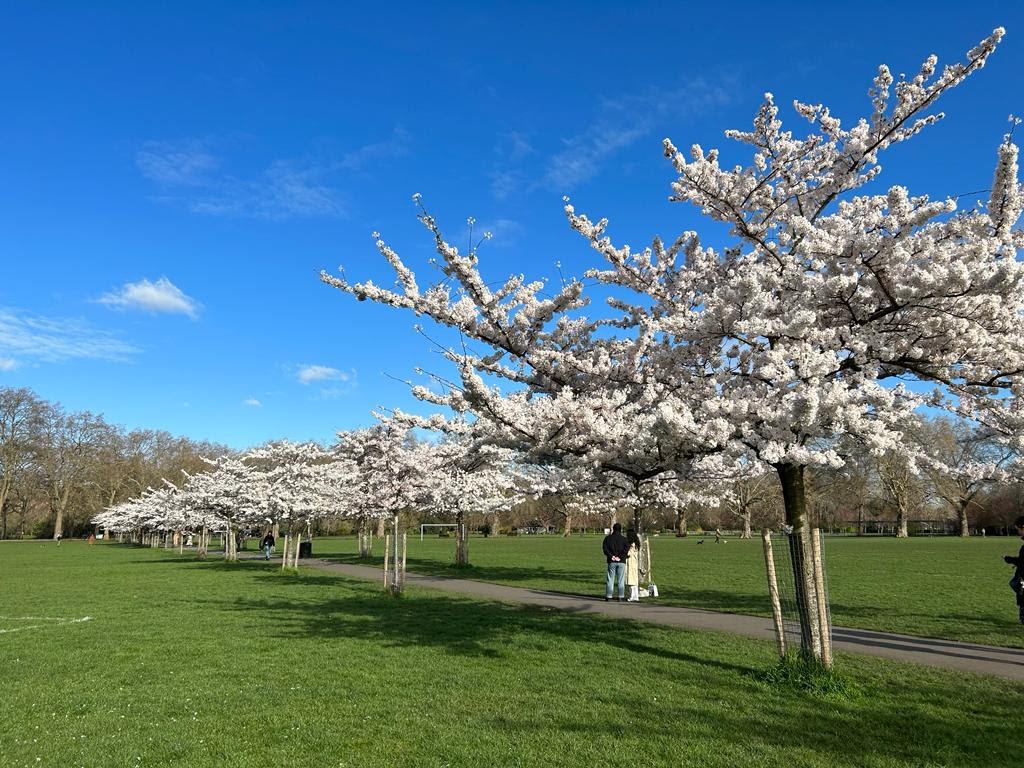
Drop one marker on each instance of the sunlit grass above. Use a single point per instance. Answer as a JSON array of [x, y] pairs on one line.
[[212, 664]]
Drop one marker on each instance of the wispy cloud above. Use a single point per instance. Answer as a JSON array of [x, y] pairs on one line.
[[189, 174], [53, 339], [252, 402], [616, 124], [396, 145], [581, 159], [504, 232], [310, 373], [508, 177], [187, 164], [8, 364], [197, 175], [161, 296]]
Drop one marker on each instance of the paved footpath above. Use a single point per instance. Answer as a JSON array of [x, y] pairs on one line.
[[967, 657]]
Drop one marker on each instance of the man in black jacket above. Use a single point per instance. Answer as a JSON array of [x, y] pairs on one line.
[[267, 544], [615, 549], [1017, 582]]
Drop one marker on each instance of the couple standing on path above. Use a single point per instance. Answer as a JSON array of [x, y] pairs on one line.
[[623, 556]]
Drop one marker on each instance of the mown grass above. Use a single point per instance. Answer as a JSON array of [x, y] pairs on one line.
[[934, 587], [213, 664]]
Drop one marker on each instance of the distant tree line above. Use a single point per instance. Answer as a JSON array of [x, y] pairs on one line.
[[59, 468], [970, 485]]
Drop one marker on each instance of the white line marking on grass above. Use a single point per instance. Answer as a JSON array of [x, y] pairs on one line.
[[55, 622]]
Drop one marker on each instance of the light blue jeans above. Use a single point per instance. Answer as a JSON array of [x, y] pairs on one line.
[[267, 550], [616, 572]]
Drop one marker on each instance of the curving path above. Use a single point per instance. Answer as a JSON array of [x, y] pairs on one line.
[[966, 657]]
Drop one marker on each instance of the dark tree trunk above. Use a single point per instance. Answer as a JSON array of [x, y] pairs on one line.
[[791, 477]]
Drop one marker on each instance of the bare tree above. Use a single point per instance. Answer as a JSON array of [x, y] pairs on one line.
[[21, 422], [968, 460]]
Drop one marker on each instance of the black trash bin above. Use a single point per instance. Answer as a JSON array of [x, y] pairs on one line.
[[305, 549]]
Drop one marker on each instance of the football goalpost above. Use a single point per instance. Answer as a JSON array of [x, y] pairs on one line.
[[436, 525]]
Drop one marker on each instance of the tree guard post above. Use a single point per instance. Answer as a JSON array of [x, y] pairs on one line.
[[405, 542], [819, 587], [773, 592], [387, 551]]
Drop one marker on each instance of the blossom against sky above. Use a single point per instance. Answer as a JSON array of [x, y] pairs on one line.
[[177, 176]]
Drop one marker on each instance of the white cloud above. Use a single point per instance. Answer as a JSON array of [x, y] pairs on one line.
[[161, 296], [310, 373], [56, 339], [8, 364], [252, 402]]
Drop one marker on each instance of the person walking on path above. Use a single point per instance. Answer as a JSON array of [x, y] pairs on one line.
[[1017, 582], [267, 545], [633, 566], [615, 548]]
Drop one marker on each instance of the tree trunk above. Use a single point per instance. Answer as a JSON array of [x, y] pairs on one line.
[[901, 522], [461, 541], [961, 515], [791, 477], [681, 522], [365, 540], [5, 488], [746, 525], [567, 527], [381, 524], [396, 580]]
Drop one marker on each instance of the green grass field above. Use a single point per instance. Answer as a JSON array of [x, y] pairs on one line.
[[935, 587], [213, 664]]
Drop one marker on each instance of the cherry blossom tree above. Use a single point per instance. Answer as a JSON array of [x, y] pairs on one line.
[[466, 477], [390, 477], [233, 496], [805, 327], [299, 483]]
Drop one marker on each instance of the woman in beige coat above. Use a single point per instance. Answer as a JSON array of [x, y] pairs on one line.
[[633, 566]]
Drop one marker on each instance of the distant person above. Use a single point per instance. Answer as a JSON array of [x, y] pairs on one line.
[[58, 538], [718, 535], [616, 549], [633, 566], [92, 539], [267, 545], [1017, 582]]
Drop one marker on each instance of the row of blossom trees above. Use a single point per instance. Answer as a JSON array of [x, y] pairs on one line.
[[835, 311], [368, 475]]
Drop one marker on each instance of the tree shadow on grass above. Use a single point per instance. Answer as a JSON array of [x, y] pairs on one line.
[[459, 625], [722, 601], [871, 730]]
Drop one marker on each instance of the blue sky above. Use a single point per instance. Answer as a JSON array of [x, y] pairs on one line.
[[175, 175]]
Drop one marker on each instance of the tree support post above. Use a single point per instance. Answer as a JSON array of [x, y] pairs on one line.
[[773, 592]]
